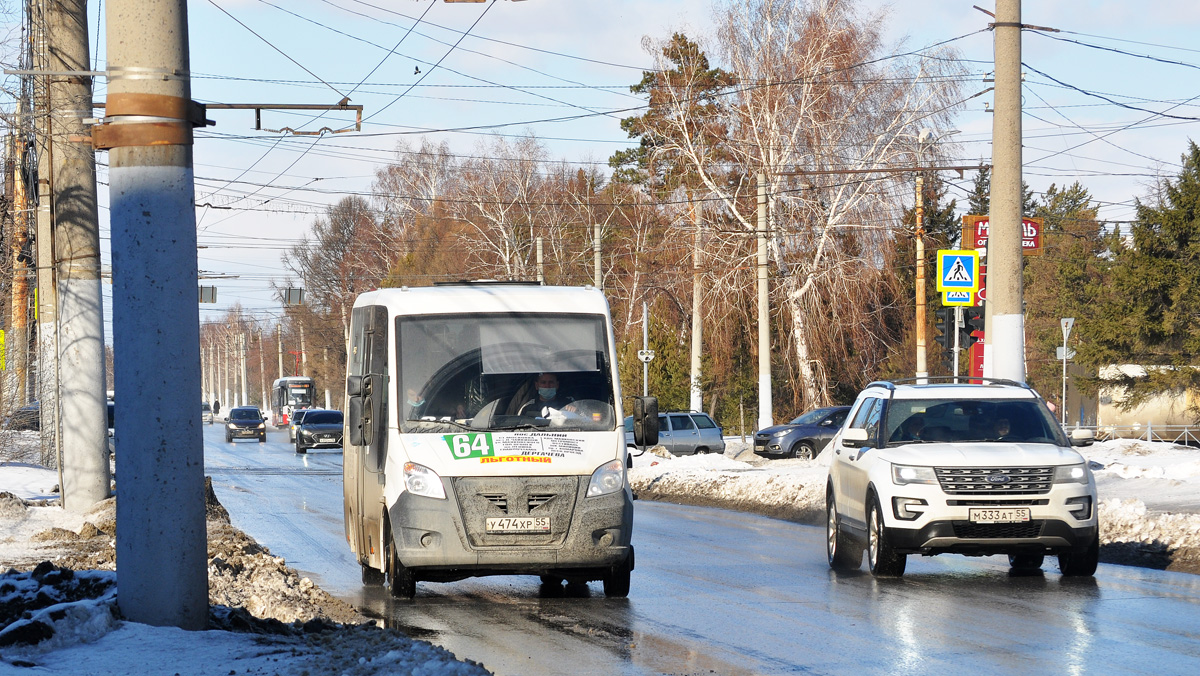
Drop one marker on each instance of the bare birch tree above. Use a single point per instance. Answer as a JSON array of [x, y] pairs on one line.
[[815, 95]]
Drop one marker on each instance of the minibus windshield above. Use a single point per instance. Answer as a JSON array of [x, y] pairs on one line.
[[504, 372]]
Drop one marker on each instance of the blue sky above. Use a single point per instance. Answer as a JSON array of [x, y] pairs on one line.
[[526, 64]]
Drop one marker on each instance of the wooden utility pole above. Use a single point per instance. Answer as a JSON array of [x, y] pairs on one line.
[[149, 115], [1004, 332]]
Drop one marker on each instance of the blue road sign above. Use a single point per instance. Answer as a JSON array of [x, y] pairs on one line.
[[957, 270]]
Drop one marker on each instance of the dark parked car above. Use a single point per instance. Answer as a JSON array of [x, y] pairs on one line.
[[803, 437], [28, 417], [319, 428], [246, 422]]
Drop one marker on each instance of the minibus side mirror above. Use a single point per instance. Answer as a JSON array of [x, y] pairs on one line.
[[645, 421]]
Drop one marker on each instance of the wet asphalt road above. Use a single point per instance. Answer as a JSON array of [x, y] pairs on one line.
[[730, 593]]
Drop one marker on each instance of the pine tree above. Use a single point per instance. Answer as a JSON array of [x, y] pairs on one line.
[[1060, 282], [1146, 308]]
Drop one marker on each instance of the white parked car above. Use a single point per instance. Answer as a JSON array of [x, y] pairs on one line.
[[976, 469]]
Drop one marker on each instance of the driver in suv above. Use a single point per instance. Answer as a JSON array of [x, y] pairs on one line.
[[976, 469]]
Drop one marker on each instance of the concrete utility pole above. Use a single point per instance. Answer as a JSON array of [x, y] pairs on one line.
[[697, 400], [84, 434], [262, 372], [766, 416], [303, 353], [922, 368], [161, 536], [1004, 320], [242, 356], [47, 294], [541, 271], [598, 273], [279, 337]]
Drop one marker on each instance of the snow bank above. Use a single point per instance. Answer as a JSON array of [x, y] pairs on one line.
[[1149, 491]]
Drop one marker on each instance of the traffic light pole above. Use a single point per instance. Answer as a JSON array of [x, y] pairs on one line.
[[958, 324]]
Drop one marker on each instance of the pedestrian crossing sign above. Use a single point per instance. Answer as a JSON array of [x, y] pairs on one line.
[[957, 270], [964, 298]]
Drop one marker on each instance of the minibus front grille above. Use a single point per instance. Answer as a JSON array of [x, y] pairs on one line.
[[497, 499], [544, 496], [538, 499]]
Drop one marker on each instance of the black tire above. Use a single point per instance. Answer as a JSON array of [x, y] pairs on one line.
[[401, 582], [300, 449], [228, 439], [373, 577], [1026, 561], [883, 560], [1080, 561], [842, 552], [802, 449], [616, 580], [262, 438]]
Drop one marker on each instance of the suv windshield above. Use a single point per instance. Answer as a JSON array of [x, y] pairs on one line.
[[973, 420], [483, 372], [323, 418], [245, 414]]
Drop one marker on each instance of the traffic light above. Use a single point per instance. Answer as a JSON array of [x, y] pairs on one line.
[[972, 322], [944, 323]]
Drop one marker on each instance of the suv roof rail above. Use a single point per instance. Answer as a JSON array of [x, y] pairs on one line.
[[886, 384], [953, 380]]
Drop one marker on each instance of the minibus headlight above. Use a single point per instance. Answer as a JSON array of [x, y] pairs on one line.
[[420, 480], [608, 478]]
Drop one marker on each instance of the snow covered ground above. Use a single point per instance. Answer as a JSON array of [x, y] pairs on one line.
[[1149, 493]]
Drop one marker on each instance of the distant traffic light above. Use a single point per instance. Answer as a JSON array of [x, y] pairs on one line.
[[944, 323]]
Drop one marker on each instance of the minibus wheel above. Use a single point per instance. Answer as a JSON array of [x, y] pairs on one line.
[[401, 581], [616, 581]]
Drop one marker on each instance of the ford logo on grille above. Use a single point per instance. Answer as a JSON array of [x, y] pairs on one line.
[[998, 478]]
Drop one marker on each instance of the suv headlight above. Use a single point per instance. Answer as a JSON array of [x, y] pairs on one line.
[[420, 480], [1070, 474], [912, 474], [608, 478], [231, 426]]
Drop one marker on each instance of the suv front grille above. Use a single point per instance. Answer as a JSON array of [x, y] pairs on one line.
[[995, 480], [968, 530]]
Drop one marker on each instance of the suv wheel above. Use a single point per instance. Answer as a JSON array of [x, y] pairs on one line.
[[1080, 561], [802, 449], [1026, 561], [841, 550], [884, 561]]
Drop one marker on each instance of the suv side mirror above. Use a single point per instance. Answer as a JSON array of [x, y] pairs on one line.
[[1082, 437], [855, 437], [645, 421]]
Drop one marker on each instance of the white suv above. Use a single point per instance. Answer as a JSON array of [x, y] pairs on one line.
[[953, 468]]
